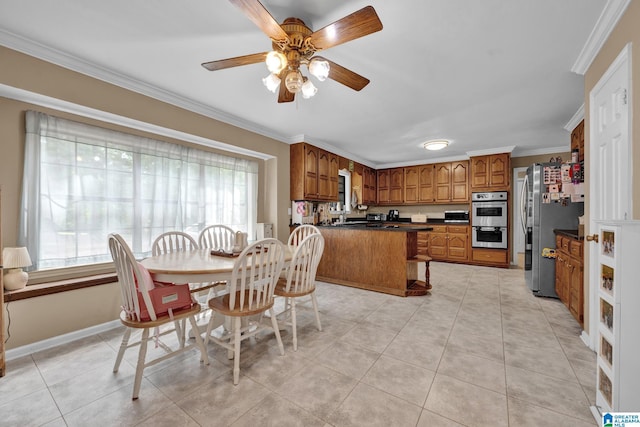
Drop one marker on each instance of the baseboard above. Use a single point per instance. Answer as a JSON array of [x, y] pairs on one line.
[[584, 336], [25, 350]]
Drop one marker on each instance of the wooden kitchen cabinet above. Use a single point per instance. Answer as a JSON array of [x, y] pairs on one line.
[[391, 186], [369, 194], [449, 243], [577, 140], [313, 173], [419, 184], [570, 274], [491, 172], [452, 182]]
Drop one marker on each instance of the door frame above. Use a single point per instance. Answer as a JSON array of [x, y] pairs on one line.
[[622, 60], [515, 217]]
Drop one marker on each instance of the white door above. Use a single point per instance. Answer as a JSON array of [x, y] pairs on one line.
[[516, 220], [610, 163]]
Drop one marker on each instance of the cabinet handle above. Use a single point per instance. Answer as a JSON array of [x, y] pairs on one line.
[[593, 237]]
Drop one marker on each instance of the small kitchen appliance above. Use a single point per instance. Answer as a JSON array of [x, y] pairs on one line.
[[394, 215]]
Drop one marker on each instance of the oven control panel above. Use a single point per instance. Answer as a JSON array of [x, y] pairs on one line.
[[489, 196]]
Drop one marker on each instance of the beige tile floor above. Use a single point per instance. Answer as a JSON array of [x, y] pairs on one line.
[[479, 351]]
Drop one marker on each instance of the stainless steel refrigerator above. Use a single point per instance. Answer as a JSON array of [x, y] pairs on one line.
[[541, 214]]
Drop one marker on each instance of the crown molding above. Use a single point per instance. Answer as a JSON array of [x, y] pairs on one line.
[[487, 152], [575, 120], [611, 14], [63, 59], [83, 111], [540, 151]]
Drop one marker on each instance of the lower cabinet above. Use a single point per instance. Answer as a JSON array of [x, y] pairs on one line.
[[570, 275], [490, 257], [449, 243]]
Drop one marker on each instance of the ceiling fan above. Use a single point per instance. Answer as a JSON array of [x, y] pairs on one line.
[[294, 44]]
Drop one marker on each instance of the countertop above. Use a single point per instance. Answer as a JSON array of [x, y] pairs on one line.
[[386, 227], [568, 233]]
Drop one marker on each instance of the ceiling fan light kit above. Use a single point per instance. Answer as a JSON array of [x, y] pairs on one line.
[[271, 82], [276, 62], [319, 68], [295, 44], [436, 144]]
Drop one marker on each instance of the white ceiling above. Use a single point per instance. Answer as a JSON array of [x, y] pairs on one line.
[[485, 74]]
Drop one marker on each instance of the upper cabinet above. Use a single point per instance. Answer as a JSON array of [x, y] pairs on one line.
[[369, 193], [452, 182], [490, 173], [419, 184], [577, 140], [390, 186], [314, 173]]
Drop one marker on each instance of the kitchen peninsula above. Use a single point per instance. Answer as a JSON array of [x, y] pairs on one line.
[[381, 259]]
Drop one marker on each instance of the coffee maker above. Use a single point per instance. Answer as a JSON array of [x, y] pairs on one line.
[[394, 215]]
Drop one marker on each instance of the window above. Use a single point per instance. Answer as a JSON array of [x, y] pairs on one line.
[[83, 182]]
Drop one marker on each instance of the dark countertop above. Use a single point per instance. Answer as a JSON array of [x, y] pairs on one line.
[[568, 233], [385, 227]]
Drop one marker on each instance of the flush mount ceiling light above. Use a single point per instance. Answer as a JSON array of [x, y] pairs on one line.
[[294, 44], [436, 144]]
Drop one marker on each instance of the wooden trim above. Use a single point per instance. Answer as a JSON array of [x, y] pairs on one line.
[[32, 291]]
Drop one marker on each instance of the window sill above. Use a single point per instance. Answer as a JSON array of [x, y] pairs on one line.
[[32, 291]]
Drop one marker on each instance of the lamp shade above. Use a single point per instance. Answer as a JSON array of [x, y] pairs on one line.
[[319, 68], [276, 62], [15, 257], [294, 81]]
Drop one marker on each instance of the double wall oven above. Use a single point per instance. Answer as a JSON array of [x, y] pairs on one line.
[[489, 220]]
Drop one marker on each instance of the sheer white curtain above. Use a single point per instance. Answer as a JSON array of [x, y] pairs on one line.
[[82, 182]]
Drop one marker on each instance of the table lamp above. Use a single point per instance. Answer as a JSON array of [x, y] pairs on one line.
[[14, 259]]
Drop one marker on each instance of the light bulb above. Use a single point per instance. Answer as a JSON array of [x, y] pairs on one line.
[[308, 89], [276, 61], [271, 82], [294, 81], [319, 68]]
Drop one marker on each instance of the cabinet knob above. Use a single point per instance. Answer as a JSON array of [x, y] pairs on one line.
[[593, 237]]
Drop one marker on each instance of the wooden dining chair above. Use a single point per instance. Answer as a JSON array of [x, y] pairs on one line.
[[253, 280], [300, 280], [300, 232], [177, 241], [217, 237], [137, 305]]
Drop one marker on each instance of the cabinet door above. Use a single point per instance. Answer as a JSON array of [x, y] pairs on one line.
[[396, 186], [311, 172], [438, 245], [324, 164], [426, 189], [575, 288], [457, 244], [460, 181], [333, 177], [443, 182], [479, 172], [383, 186], [411, 183], [499, 171], [370, 192]]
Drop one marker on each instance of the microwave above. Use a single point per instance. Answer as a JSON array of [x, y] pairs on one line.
[[460, 217]]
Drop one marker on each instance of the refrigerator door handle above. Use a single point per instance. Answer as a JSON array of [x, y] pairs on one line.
[[524, 192]]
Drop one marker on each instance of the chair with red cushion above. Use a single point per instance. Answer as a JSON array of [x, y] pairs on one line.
[[137, 304]]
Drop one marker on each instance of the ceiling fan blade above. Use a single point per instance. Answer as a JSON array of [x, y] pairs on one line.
[[345, 76], [284, 95], [260, 16], [235, 62], [361, 23]]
